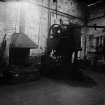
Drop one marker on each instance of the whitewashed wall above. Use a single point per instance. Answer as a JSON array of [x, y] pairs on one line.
[[32, 19]]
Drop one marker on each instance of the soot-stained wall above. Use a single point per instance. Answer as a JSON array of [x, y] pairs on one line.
[[34, 17], [95, 36]]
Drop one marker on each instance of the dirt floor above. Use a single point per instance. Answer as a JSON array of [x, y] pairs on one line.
[[89, 90]]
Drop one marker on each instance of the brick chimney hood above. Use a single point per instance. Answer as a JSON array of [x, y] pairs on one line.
[[21, 40]]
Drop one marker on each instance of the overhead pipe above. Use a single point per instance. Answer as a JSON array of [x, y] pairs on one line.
[[88, 26], [95, 3], [63, 13], [91, 19], [94, 26]]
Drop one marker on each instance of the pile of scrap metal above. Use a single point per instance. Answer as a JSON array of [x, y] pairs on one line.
[[20, 74]]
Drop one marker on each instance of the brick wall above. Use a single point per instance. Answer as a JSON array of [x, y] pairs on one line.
[[31, 18], [95, 36]]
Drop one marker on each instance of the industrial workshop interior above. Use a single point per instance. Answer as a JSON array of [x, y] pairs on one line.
[[52, 52]]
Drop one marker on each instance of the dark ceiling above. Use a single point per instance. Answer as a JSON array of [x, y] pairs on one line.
[[87, 2]]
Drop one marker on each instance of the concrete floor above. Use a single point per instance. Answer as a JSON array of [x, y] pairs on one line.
[[54, 92]]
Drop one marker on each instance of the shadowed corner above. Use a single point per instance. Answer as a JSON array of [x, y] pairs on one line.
[[72, 76]]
